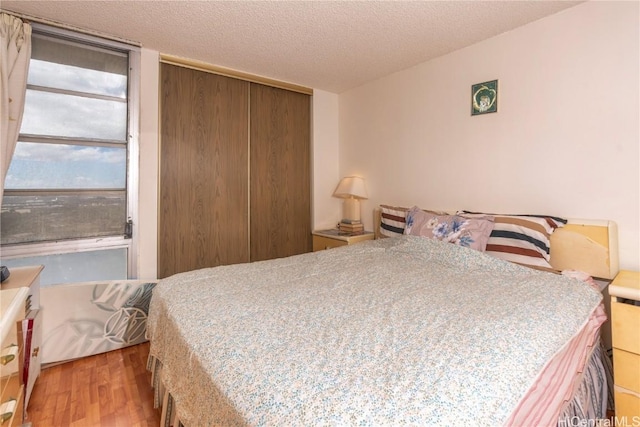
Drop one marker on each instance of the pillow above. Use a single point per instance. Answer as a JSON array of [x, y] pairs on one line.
[[392, 220], [524, 239], [469, 232]]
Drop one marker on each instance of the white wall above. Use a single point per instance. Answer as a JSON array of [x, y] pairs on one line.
[[565, 140], [325, 167], [147, 226]]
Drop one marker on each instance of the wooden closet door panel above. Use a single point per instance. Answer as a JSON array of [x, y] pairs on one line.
[[203, 212], [280, 172]]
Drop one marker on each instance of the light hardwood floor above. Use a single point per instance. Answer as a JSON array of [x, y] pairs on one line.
[[110, 389]]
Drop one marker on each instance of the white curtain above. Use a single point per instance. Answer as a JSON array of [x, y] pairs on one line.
[[15, 52]]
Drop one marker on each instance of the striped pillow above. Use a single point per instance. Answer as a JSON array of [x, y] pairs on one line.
[[392, 220], [524, 239]]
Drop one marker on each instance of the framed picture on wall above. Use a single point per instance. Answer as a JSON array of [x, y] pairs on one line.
[[484, 98]]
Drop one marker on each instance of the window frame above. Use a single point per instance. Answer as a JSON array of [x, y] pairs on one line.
[[22, 250]]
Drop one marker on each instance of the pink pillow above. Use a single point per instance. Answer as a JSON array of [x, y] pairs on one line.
[[469, 232]]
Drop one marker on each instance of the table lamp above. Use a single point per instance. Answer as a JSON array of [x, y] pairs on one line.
[[351, 189]]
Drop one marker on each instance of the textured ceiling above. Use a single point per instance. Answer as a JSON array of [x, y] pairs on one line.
[[328, 45]]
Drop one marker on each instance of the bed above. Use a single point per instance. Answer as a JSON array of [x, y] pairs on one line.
[[396, 331]]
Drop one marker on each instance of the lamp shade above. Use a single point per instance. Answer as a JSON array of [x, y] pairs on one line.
[[351, 187]]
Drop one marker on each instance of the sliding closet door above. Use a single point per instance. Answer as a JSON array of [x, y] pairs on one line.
[[280, 173], [203, 212]]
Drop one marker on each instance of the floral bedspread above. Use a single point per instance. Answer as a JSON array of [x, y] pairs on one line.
[[400, 331]]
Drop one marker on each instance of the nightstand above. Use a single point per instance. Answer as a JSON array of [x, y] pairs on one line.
[[625, 330], [333, 238]]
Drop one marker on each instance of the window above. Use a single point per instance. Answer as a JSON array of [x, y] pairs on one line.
[[71, 188]]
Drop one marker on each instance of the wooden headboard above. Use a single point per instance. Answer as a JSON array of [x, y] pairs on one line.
[[585, 245]]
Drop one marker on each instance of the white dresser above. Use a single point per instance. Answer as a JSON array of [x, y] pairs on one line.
[[24, 329], [12, 311]]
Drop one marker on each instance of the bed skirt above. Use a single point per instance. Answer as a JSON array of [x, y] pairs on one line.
[[590, 401], [161, 397], [594, 395]]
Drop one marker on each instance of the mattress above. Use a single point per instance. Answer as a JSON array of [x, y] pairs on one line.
[[398, 331]]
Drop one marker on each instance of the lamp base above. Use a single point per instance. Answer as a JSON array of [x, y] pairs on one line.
[[351, 209]]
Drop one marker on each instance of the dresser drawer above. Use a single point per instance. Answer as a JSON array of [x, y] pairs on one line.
[[627, 405], [11, 354], [625, 324], [321, 243], [9, 373], [11, 409], [626, 370]]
